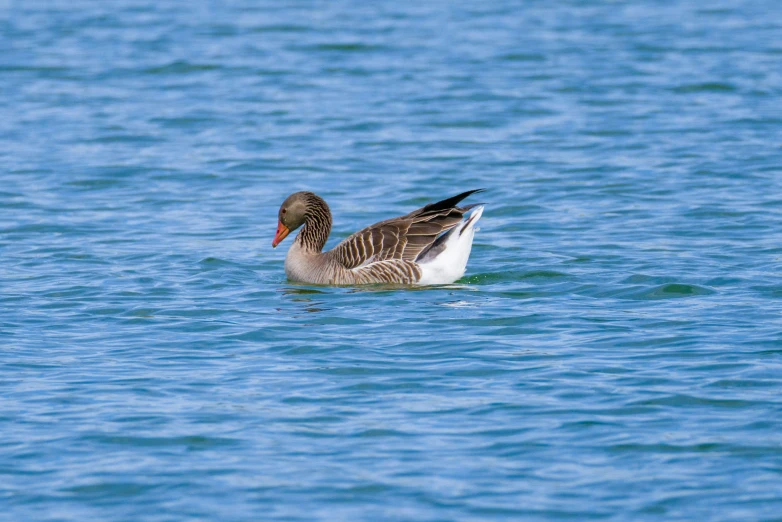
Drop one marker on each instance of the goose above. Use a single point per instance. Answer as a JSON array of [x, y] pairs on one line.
[[428, 246]]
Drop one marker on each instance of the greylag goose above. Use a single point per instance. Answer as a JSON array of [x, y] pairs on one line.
[[428, 246]]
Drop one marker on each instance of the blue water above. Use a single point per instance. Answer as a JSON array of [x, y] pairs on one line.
[[614, 351]]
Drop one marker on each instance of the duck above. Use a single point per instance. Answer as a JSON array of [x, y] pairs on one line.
[[428, 246]]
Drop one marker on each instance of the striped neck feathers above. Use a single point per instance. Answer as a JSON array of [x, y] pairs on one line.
[[317, 223]]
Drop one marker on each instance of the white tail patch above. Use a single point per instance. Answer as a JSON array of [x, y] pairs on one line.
[[450, 264]]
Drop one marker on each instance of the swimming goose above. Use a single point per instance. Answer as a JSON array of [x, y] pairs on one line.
[[428, 246]]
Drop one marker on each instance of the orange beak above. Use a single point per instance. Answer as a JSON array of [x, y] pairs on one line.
[[282, 233]]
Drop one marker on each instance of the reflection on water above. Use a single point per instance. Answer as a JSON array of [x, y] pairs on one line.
[[305, 303]]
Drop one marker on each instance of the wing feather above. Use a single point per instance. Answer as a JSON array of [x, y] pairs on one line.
[[402, 238]]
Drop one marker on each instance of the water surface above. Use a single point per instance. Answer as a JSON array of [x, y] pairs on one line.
[[613, 352]]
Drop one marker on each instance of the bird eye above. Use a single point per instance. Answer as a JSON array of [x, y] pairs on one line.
[[284, 211]]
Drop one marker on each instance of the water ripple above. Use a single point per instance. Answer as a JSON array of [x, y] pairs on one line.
[[613, 351]]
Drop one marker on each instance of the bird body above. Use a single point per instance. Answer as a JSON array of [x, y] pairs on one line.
[[428, 246]]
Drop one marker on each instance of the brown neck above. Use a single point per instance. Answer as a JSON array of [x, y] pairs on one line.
[[317, 224]]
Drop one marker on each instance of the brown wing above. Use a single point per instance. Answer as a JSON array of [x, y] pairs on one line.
[[404, 237]]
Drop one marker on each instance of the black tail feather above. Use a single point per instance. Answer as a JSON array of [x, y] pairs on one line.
[[450, 202]]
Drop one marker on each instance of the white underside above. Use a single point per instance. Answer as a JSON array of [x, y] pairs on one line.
[[452, 262]]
